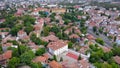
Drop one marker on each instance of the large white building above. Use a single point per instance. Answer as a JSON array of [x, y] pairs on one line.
[[57, 47]]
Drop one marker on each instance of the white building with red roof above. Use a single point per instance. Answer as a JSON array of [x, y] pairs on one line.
[[57, 47], [21, 33]]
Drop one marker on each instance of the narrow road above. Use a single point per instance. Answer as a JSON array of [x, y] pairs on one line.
[[105, 39]]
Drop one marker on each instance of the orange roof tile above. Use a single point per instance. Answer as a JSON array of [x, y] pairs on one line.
[[40, 59], [54, 64], [117, 59], [57, 44]]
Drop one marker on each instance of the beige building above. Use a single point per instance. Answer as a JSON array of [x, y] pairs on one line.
[[58, 10]]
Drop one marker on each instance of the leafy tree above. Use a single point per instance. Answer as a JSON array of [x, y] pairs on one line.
[[40, 51], [28, 29], [116, 51], [1, 50], [59, 35], [27, 57], [94, 28], [55, 58], [46, 30], [42, 14], [35, 39], [13, 62], [70, 44], [36, 65], [79, 58], [28, 20], [55, 29], [107, 56], [14, 51], [100, 41]]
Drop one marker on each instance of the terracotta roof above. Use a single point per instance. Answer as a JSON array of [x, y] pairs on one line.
[[74, 36], [84, 64], [90, 37], [21, 32], [46, 55], [72, 55], [5, 33], [92, 23], [84, 49], [106, 49], [6, 55], [117, 59], [7, 44], [50, 38], [54, 64], [40, 9], [39, 59], [57, 44]]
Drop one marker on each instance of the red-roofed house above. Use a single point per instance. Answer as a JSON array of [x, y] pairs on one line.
[[5, 56], [21, 33], [41, 59], [54, 64], [49, 38], [6, 45], [117, 59], [57, 47], [84, 64]]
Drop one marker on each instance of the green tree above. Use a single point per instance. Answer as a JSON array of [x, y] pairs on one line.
[[36, 65], [13, 62], [55, 58], [94, 28], [46, 30], [40, 51], [27, 57], [100, 41], [28, 29], [79, 58], [70, 44]]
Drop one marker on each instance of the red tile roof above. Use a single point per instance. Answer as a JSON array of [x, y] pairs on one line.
[[54, 64], [90, 37], [21, 32], [84, 63], [117, 59], [72, 55], [6, 55], [40, 59], [74, 36], [50, 38], [57, 44]]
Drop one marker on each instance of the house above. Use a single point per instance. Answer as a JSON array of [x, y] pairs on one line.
[[117, 59], [19, 12], [6, 45], [90, 37], [49, 38], [57, 47], [38, 26], [33, 46], [36, 10], [54, 64], [58, 10], [5, 57], [2, 20], [84, 63], [21, 33], [41, 59], [74, 36], [3, 34]]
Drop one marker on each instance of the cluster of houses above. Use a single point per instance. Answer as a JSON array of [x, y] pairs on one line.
[[98, 18]]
